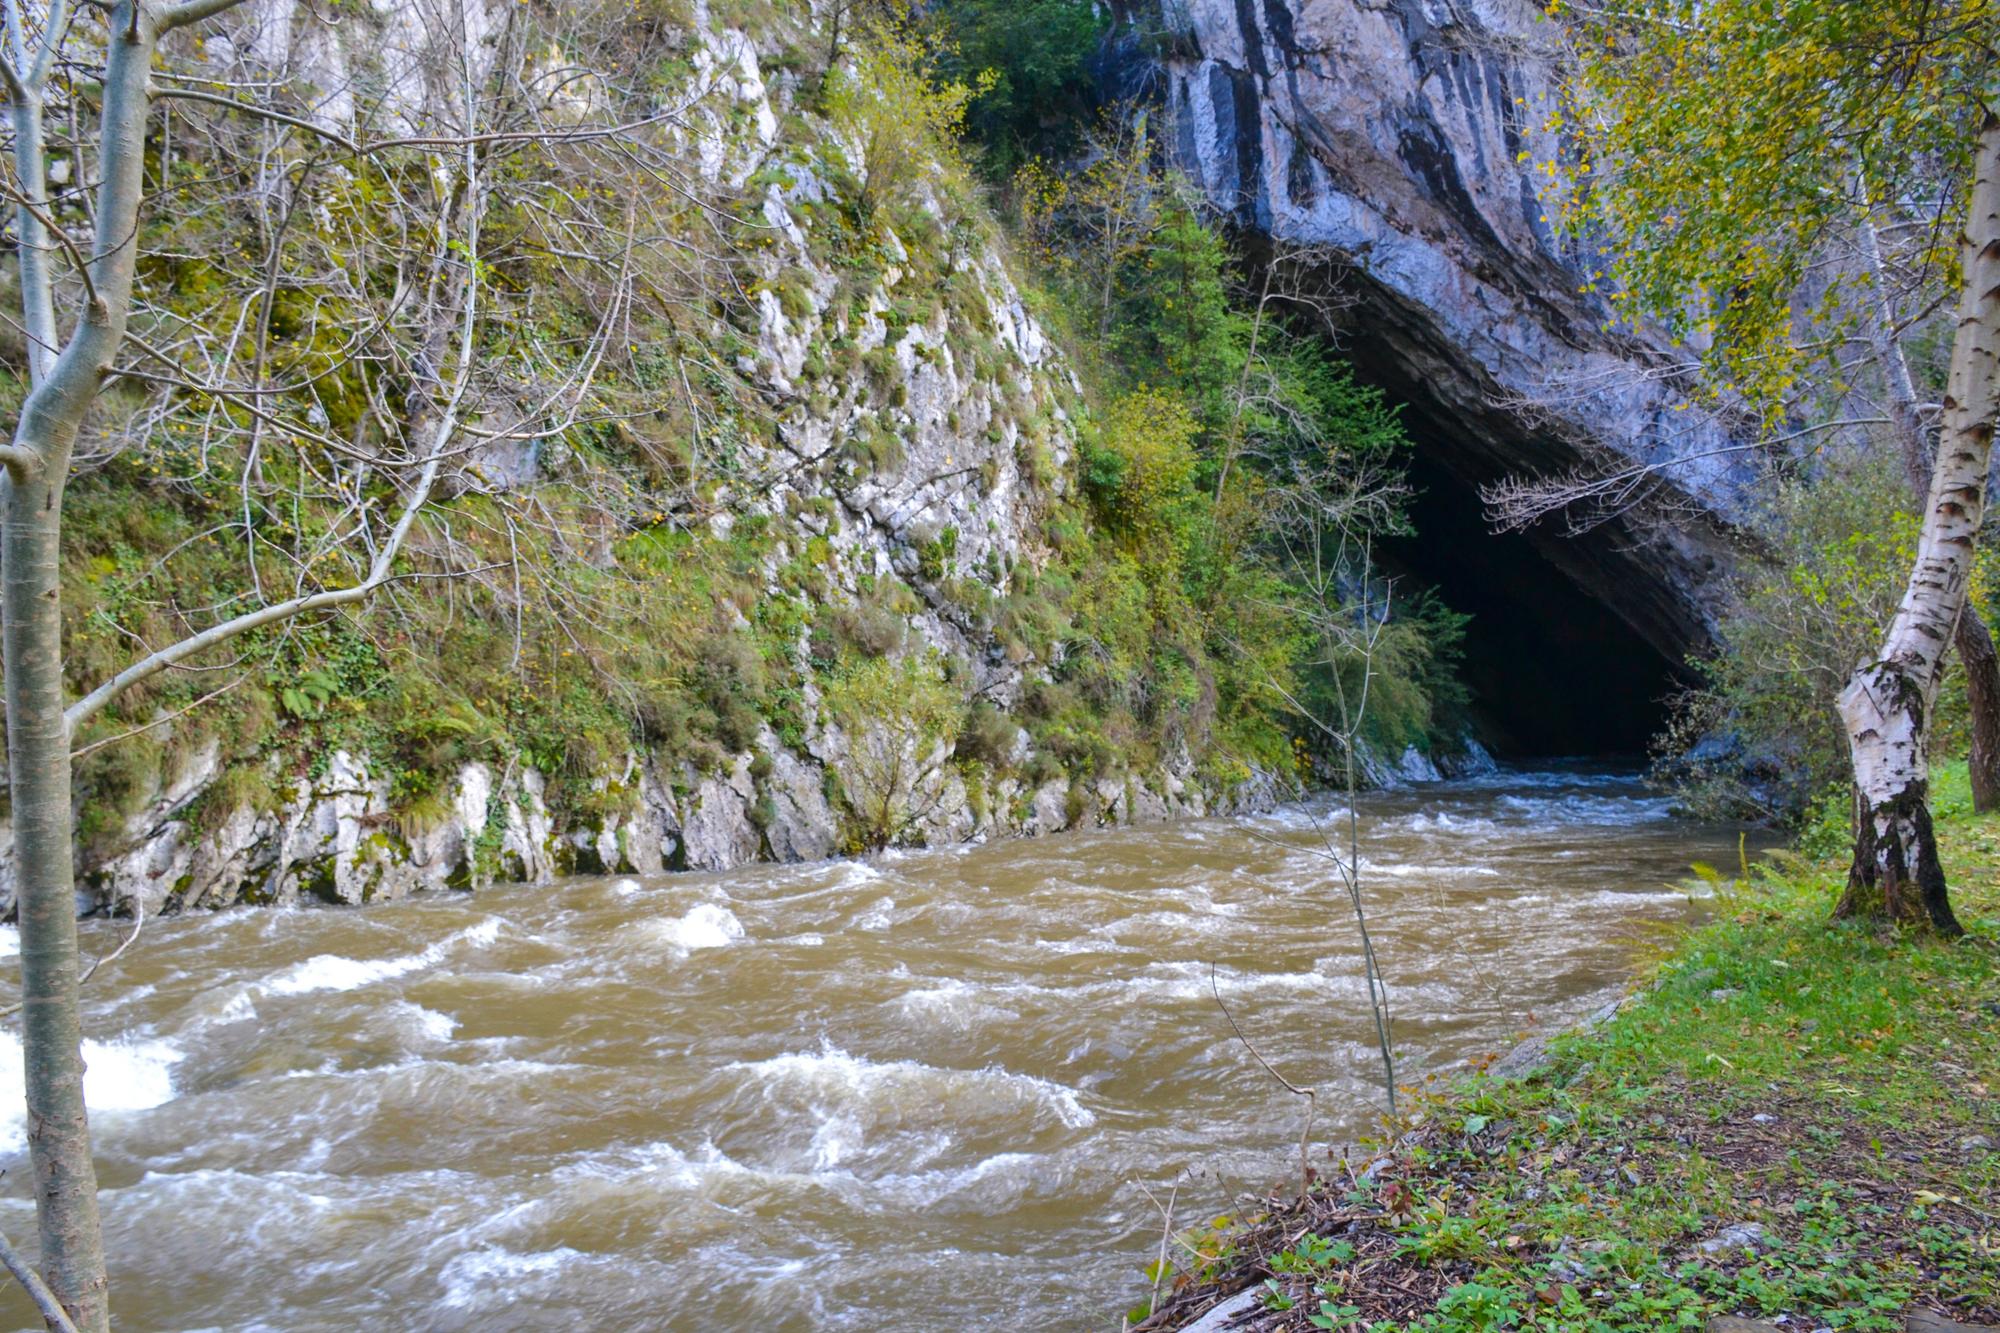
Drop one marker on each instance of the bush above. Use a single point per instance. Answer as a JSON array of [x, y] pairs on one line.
[[891, 100], [874, 626], [895, 716], [987, 736], [1759, 736]]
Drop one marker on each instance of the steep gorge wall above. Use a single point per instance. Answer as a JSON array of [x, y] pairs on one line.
[[923, 436], [1401, 137]]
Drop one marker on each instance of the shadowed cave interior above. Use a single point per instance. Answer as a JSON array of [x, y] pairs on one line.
[[1552, 669]]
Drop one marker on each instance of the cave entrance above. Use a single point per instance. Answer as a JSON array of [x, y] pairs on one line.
[[1553, 670]]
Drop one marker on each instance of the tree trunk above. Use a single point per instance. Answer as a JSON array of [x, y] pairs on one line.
[[1982, 696], [65, 1181], [1887, 703], [1973, 641], [51, 1034]]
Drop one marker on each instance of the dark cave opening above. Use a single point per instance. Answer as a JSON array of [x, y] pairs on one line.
[[1553, 670]]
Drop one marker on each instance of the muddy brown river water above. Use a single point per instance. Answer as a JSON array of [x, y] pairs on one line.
[[919, 1092]]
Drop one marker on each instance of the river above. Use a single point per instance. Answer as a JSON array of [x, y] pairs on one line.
[[917, 1092]]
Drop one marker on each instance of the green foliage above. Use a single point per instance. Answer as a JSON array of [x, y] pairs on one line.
[[1232, 460], [1141, 471], [1836, 549], [890, 98], [1835, 113], [1333, 1315], [899, 721], [1312, 1254], [1037, 93]]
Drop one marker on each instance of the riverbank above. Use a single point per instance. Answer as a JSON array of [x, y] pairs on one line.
[[1792, 1121]]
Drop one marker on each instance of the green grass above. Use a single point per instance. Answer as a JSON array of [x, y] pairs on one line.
[[1818, 1080]]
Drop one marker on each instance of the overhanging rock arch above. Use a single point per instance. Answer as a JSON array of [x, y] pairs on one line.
[[1398, 140]]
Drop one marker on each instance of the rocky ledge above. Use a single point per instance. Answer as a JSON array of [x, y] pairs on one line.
[[335, 836]]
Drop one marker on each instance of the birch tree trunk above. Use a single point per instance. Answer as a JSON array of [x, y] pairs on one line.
[[1974, 641], [1887, 703]]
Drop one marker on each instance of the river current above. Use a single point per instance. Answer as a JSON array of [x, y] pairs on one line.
[[916, 1092]]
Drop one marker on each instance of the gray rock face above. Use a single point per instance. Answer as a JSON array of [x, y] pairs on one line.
[[337, 839], [966, 399], [1400, 137]]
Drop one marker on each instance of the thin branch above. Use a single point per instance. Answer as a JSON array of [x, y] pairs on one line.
[[62, 238], [1310, 1094], [1166, 1235], [156, 722], [138, 924], [262, 113], [577, 134], [191, 11], [38, 1290]]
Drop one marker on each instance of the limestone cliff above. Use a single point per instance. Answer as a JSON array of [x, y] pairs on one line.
[[1401, 137], [920, 433]]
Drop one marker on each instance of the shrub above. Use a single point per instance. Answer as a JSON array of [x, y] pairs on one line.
[[987, 736], [874, 626], [1759, 735], [898, 720]]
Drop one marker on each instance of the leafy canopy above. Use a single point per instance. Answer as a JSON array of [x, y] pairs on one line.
[[1719, 147]]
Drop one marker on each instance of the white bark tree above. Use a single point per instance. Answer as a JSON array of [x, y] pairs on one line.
[[65, 383], [1887, 704]]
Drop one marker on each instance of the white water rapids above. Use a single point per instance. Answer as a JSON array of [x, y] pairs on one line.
[[914, 1093]]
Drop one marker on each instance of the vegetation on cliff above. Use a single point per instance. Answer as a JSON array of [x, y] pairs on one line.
[[1829, 258], [621, 582]]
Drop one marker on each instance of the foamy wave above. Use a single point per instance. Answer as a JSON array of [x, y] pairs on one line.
[[478, 935], [1582, 809], [832, 1073], [710, 1170], [428, 1024], [1191, 981], [1442, 821], [924, 1188], [1083, 944], [475, 1278], [877, 917], [1431, 870], [954, 1003], [125, 1074], [1297, 817], [337, 972], [706, 926]]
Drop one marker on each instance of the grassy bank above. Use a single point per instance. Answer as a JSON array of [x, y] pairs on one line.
[[1792, 1121]]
